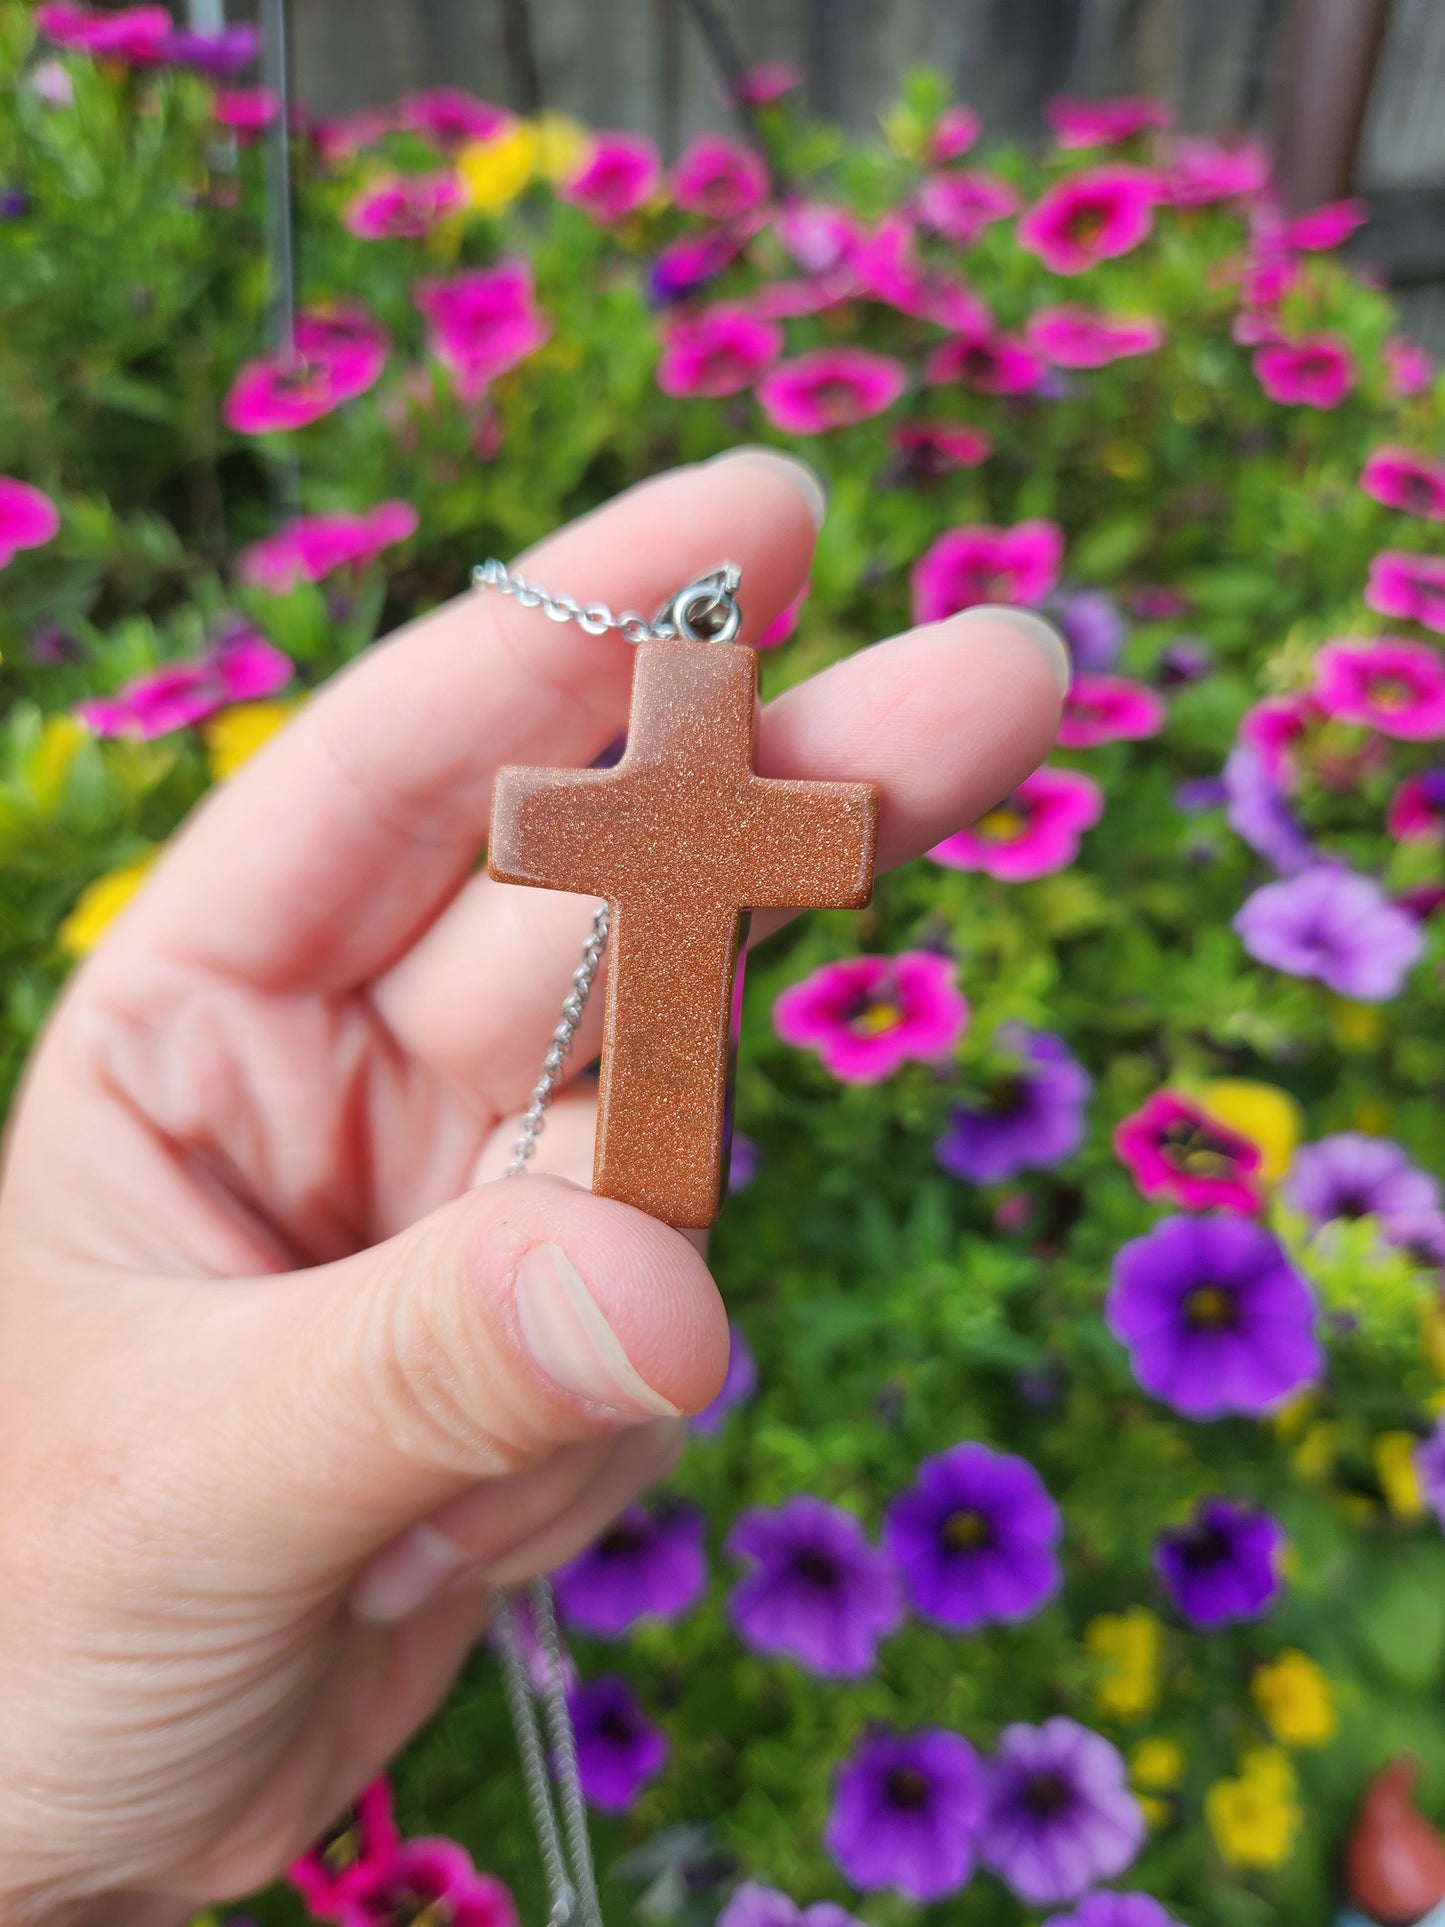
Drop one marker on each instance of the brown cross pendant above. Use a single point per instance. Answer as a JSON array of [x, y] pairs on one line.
[[682, 838]]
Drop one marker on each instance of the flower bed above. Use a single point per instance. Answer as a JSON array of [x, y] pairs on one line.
[[1069, 1521]]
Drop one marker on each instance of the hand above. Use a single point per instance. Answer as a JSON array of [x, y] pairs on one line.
[[287, 1378]]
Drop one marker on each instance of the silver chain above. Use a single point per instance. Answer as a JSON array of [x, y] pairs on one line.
[[561, 1045], [705, 611]]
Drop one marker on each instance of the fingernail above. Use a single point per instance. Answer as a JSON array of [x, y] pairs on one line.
[[1043, 635], [804, 479], [405, 1575], [563, 1328]]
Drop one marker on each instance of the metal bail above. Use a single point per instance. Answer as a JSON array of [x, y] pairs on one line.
[[706, 610]]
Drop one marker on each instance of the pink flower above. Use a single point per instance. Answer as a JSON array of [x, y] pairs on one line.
[[1411, 587], [1108, 709], [482, 322], [362, 1842], [692, 260], [338, 140], [1175, 1150], [784, 300], [313, 546], [1393, 686], [718, 178], [1325, 227], [1074, 337], [991, 363], [1410, 369], [866, 1015], [1091, 217], [717, 351], [961, 205], [1205, 171], [1030, 834], [402, 206], [1403, 480], [937, 448], [1417, 809], [1318, 372], [889, 271], [830, 388], [137, 34], [954, 132], [784, 622], [966, 566], [449, 117], [238, 669], [620, 175], [340, 352], [246, 109], [818, 238], [427, 1880], [28, 519], [1274, 728], [1102, 123], [760, 86]]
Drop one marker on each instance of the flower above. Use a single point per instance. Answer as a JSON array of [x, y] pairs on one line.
[[1030, 834], [1318, 372], [1409, 369], [234, 736], [100, 903], [649, 1562], [1256, 809], [830, 388], [718, 178], [752, 1905], [1092, 625], [1214, 1317], [992, 363], [1174, 1149], [1430, 1471], [1059, 1814], [865, 1016], [888, 269], [1075, 337], [905, 1807], [1108, 709], [246, 109], [760, 86], [1102, 123], [136, 34], [424, 1881], [620, 174], [819, 238], [1408, 586], [1204, 170], [1115, 1910], [979, 564], [618, 1749], [954, 132], [238, 668], [482, 322], [819, 1592], [1031, 1115], [401, 205], [931, 449], [1404, 480], [1325, 226], [1223, 1565], [740, 1381], [975, 1538], [1394, 686], [499, 165], [449, 117], [28, 519], [1254, 1819], [717, 351], [1294, 1700], [1350, 1176], [960, 205], [311, 547], [1128, 1646], [1269, 1117], [783, 625], [217, 54], [1090, 217], [340, 353], [1331, 924], [688, 263], [1417, 809], [1156, 1766], [361, 1843]]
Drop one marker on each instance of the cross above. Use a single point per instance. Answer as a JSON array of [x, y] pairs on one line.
[[682, 838]]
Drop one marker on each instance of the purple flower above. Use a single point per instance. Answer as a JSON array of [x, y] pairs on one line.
[[1256, 810], [1059, 1813], [217, 55], [1215, 1318], [1353, 1176], [647, 1562], [1185, 660], [753, 1905], [14, 202], [1430, 1470], [1030, 1118], [1223, 1565], [1331, 924], [737, 1387], [618, 1748], [1093, 626], [905, 1811], [820, 1592], [1115, 1910], [974, 1538]]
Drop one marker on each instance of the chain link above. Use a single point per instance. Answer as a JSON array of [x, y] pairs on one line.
[[562, 1037], [705, 611]]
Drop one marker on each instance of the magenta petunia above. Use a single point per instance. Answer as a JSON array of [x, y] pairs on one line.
[[889, 270], [1325, 227], [1090, 217], [784, 623], [482, 322], [1102, 123], [1174, 1149], [449, 117], [427, 1880], [1401, 479], [340, 353], [1275, 728], [1317, 372], [1411, 587], [1109, 709], [930, 449], [136, 34], [1030, 834], [819, 238], [239, 668], [1417, 809], [960, 205], [622, 173], [1409, 369], [954, 132], [311, 547], [246, 110], [1203, 171], [717, 351], [978, 564], [1394, 686], [1073, 337], [28, 518], [830, 388], [760, 86], [361, 1844], [1336, 926], [719, 178], [990, 362], [402, 206], [691, 261], [866, 1016]]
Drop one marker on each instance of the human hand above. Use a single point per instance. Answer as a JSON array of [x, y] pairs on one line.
[[288, 1378]]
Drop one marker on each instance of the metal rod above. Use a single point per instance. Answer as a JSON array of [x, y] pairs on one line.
[[280, 224]]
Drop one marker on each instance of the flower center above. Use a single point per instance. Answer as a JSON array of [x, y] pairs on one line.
[[906, 1789], [405, 1907], [1006, 824], [1047, 1795], [979, 361], [616, 1727], [1086, 223], [1206, 1546], [341, 1847], [967, 1530], [1210, 1308], [1419, 494], [1390, 692], [620, 1541], [836, 399], [874, 1012], [815, 1568], [307, 381], [1196, 1151]]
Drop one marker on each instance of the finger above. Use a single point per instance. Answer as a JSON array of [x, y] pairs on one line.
[[946, 720], [339, 842]]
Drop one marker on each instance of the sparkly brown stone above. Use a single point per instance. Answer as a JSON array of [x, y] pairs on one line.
[[682, 838]]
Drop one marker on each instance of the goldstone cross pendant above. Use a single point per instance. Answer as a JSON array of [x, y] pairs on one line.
[[682, 838]]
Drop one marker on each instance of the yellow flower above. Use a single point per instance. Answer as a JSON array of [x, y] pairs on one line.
[[1128, 1645], [1266, 1115], [1254, 1819], [100, 903], [1314, 1457], [1156, 1766], [1355, 1026], [1294, 1700], [564, 146], [1394, 1456], [234, 735], [60, 741], [494, 172], [1125, 459]]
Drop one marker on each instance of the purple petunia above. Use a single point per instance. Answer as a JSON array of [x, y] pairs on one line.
[[737, 1388], [1223, 1565], [974, 1538], [1059, 1815], [1430, 1471], [820, 1592], [1329, 923], [905, 1811], [1350, 1175], [753, 1905], [618, 1749], [647, 1562], [1256, 809], [1031, 1117], [1215, 1318], [1115, 1910]]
